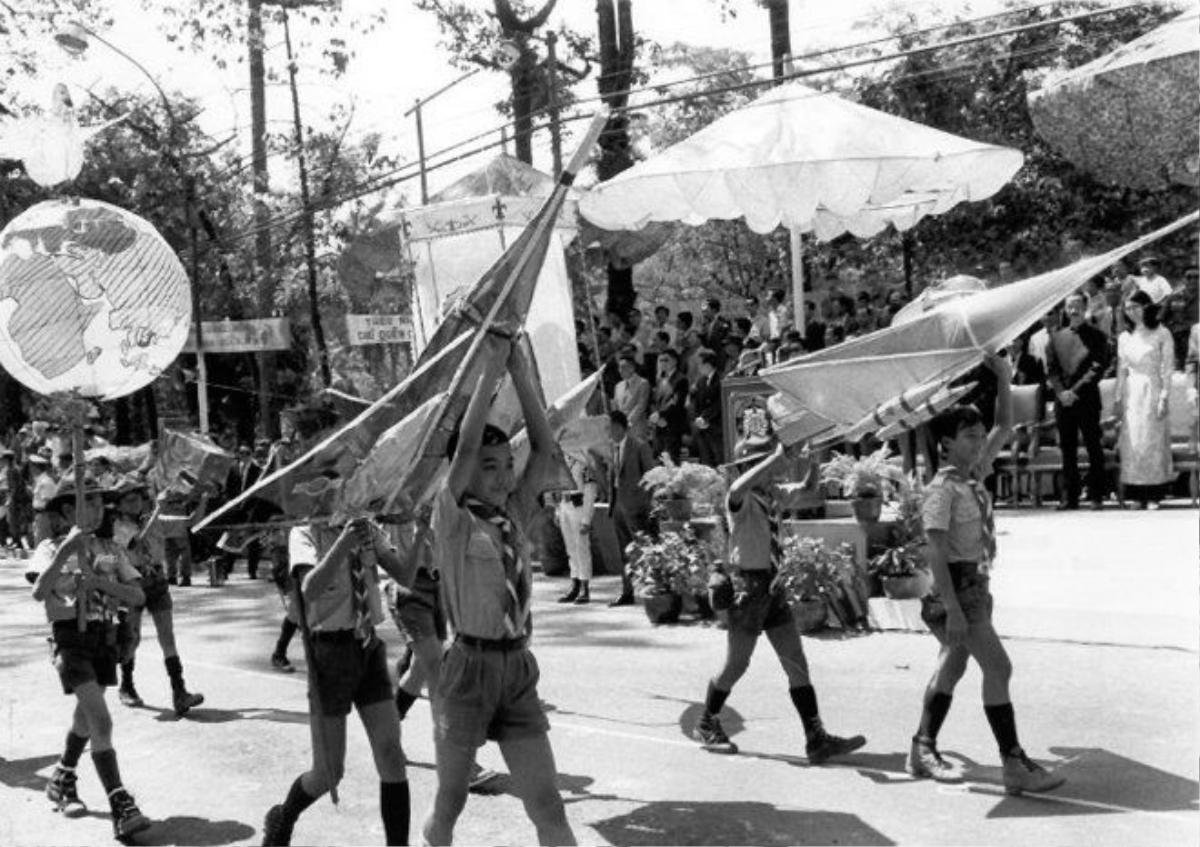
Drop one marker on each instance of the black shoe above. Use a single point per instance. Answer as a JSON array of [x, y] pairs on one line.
[[281, 663], [277, 831], [126, 817], [61, 791], [1096, 506], [583, 599], [1066, 506], [570, 596], [129, 696], [186, 582], [825, 746], [185, 701], [623, 600], [172, 580], [712, 736]]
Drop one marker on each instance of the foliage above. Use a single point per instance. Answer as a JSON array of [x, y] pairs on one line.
[[672, 563], [687, 480], [873, 475], [904, 555], [810, 570]]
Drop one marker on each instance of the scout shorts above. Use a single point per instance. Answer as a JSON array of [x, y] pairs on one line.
[[345, 673], [487, 694], [83, 657], [971, 589], [417, 610], [759, 602], [157, 591]]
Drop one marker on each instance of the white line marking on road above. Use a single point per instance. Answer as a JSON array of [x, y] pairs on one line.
[[989, 788]]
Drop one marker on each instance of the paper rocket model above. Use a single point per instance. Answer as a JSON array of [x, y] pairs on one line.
[[50, 145]]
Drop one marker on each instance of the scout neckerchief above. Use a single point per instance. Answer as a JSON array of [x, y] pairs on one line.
[[767, 504], [987, 517], [516, 599], [364, 629]]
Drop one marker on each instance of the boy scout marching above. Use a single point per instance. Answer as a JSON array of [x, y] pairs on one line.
[[459, 590]]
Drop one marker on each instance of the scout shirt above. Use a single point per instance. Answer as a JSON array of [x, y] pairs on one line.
[[333, 608], [467, 554], [749, 533], [108, 560], [953, 508]]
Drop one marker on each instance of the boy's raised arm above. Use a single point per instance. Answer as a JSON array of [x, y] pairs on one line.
[[470, 434]]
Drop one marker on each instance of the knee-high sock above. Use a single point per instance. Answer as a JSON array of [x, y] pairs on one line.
[[714, 700], [286, 631], [804, 698], [297, 801], [72, 750], [106, 768], [933, 714], [127, 674], [394, 807], [1004, 727], [175, 672]]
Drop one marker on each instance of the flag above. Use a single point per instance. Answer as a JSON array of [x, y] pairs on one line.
[[846, 382], [300, 489]]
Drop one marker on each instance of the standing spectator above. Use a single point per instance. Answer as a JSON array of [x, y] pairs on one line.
[[649, 366], [662, 323], [733, 353], [1026, 369], [1109, 318], [8, 477], [1051, 322], [895, 302], [1144, 361], [814, 328], [707, 434], [1191, 367], [1093, 294], [241, 478], [760, 319], [668, 406], [778, 318], [1151, 281], [836, 326], [864, 314], [713, 325], [574, 517], [689, 344], [1075, 360], [629, 503], [640, 330], [632, 397], [44, 486], [1181, 308]]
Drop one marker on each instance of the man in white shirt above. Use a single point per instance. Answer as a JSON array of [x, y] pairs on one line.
[[1150, 281]]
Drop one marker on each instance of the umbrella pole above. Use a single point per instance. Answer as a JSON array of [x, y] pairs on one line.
[[797, 278]]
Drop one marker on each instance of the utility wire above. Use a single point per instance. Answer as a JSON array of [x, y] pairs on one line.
[[409, 170]]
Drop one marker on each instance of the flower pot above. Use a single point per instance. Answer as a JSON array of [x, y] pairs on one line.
[[662, 608], [676, 509], [810, 614], [867, 509], [907, 587], [839, 509]]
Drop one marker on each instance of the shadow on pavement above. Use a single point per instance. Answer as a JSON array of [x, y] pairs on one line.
[[23, 773], [1104, 783], [731, 720], [573, 788], [203, 714], [185, 829], [682, 822]]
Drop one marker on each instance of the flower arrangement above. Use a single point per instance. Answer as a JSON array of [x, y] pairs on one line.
[[810, 570], [673, 563], [698, 483], [904, 555], [873, 475]]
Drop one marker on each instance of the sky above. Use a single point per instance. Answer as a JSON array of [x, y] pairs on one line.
[[401, 61]]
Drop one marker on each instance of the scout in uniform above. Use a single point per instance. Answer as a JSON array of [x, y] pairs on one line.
[[145, 551], [757, 604], [86, 660], [487, 684], [574, 514], [336, 570], [959, 525]]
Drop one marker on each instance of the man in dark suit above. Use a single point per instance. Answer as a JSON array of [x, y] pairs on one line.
[[706, 410], [668, 406], [242, 476], [629, 503], [1076, 358]]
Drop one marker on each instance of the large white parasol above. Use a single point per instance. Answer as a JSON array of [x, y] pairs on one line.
[[1131, 117], [809, 161]]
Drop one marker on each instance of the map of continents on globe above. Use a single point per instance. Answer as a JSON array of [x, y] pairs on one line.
[[91, 299]]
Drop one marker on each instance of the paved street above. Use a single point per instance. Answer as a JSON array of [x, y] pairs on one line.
[[1100, 615]]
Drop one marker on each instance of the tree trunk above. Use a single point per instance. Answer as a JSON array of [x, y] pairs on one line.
[[781, 37], [615, 25], [524, 80]]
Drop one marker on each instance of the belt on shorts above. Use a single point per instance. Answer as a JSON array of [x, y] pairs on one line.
[[575, 498], [503, 645]]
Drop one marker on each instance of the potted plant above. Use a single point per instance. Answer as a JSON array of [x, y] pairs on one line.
[[676, 489], [866, 481], [812, 575], [901, 567], [667, 568]]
